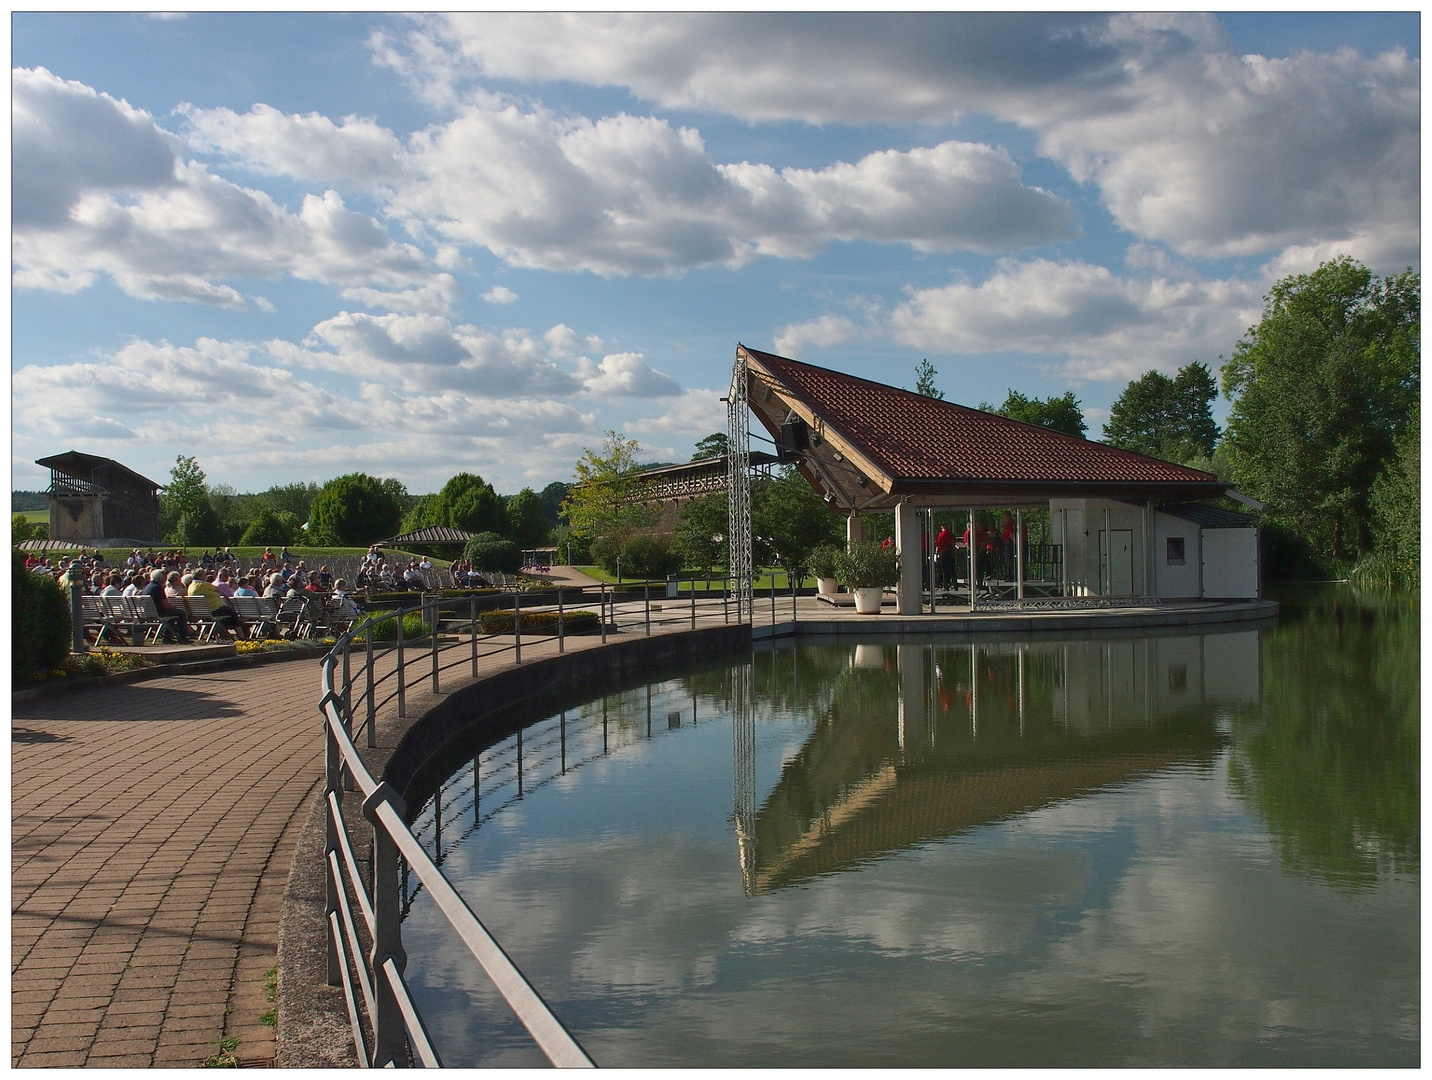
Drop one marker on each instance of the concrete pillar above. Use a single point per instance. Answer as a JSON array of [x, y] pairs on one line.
[[854, 529], [908, 599]]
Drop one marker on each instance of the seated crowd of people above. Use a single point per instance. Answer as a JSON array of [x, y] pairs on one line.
[[313, 595]]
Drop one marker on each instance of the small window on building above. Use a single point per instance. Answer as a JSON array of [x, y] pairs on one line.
[[1175, 551]]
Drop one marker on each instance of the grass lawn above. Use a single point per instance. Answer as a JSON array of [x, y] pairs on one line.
[[33, 516]]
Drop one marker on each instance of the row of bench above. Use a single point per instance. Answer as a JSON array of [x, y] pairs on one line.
[[110, 618]]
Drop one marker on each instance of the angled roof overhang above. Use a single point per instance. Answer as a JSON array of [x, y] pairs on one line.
[[92, 469], [868, 446]]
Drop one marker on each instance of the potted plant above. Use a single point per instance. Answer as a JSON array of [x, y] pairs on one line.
[[868, 569], [823, 563]]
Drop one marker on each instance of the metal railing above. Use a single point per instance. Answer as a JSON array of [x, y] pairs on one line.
[[369, 671]]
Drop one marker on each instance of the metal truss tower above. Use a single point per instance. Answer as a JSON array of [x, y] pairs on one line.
[[738, 488]]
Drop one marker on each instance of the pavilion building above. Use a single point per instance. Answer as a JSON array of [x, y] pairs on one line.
[[1122, 527], [97, 502]]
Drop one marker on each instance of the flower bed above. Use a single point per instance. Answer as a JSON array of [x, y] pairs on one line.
[[94, 662]]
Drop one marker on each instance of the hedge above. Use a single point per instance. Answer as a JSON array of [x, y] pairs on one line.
[[39, 622], [537, 622]]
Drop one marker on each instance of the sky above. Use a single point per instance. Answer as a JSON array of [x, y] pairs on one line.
[[300, 245]]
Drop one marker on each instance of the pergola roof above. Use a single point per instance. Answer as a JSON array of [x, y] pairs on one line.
[[433, 534], [870, 444]]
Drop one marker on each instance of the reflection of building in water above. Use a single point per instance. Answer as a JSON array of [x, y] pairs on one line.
[[926, 741]]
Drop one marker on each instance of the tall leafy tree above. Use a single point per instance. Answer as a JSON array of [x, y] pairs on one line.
[[608, 498], [1166, 418], [353, 510], [1056, 413], [701, 533], [791, 520], [1322, 388], [469, 502], [186, 516], [526, 524], [551, 498], [925, 380], [714, 445]]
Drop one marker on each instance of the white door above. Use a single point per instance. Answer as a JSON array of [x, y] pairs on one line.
[[1230, 564], [1116, 562]]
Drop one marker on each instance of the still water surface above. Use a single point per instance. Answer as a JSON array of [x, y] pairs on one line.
[[1160, 850]]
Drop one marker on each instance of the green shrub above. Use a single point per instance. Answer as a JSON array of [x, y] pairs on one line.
[[413, 628], [39, 622], [488, 551], [868, 565], [824, 561], [540, 622]]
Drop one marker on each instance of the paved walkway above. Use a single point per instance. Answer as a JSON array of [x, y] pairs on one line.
[[153, 826]]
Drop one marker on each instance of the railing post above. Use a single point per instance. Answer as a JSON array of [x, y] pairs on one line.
[[472, 623], [402, 703], [726, 600], [433, 625], [516, 627], [389, 1030], [332, 785], [793, 602], [368, 688], [773, 598], [646, 602], [347, 684], [602, 610], [693, 603], [561, 629]]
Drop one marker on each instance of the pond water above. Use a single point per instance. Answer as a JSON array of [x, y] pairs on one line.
[[1166, 849]]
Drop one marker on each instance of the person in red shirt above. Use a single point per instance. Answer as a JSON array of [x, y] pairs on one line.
[[944, 541]]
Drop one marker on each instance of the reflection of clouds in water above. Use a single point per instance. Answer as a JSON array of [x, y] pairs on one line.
[[1148, 923]]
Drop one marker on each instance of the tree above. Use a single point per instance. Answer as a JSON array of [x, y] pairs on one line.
[[791, 521], [1055, 413], [1396, 503], [470, 503], [608, 499], [353, 511], [488, 551], [551, 498], [1166, 418], [526, 524], [186, 516], [701, 533], [272, 528], [714, 445], [1322, 388], [22, 529], [925, 380]]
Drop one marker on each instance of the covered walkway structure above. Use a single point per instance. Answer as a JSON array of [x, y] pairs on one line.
[[868, 447]]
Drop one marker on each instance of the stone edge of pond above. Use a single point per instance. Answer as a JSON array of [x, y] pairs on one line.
[[314, 1026]]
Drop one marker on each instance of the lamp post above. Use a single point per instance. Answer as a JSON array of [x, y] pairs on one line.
[[76, 578]]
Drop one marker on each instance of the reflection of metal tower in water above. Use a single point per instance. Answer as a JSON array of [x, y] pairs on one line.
[[743, 771], [738, 488]]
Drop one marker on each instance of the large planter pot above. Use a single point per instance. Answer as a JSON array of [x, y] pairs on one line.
[[827, 586], [867, 601]]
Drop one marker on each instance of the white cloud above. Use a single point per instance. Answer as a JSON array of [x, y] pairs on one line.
[[99, 191], [823, 332], [500, 294], [694, 414], [425, 353], [1188, 142], [624, 375], [1109, 327], [358, 150], [632, 195]]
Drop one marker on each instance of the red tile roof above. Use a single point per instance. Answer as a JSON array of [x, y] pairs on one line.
[[919, 439]]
